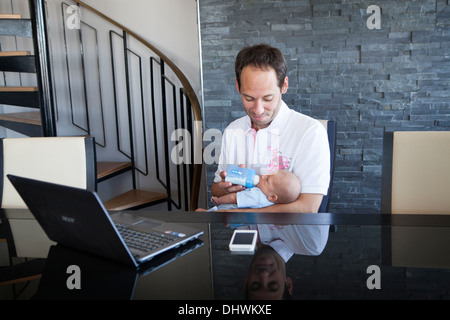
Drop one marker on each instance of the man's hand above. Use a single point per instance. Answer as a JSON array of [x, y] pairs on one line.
[[223, 187]]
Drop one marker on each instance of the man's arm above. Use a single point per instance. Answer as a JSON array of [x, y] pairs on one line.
[[306, 203]]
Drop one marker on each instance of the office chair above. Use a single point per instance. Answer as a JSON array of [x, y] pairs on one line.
[[63, 160], [416, 180]]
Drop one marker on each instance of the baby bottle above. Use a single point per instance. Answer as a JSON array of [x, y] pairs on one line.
[[242, 176]]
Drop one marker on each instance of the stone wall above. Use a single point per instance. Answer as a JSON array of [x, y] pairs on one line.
[[369, 80]]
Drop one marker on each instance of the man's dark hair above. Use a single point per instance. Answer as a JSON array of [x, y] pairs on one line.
[[261, 56]]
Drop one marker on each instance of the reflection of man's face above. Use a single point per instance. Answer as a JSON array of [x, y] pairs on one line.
[[267, 277]]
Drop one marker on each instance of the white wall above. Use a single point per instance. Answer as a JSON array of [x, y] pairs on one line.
[[169, 25]]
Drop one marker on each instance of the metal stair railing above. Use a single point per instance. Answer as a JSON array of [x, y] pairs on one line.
[[180, 101], [169, 97]]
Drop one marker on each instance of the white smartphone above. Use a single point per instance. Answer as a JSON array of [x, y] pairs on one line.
[[243, 241]]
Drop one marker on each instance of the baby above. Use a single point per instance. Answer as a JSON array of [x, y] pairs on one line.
[[281, 187]]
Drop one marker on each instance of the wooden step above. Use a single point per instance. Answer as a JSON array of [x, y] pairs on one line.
[[10, 16], [20, 96], [133, 199], [14, 53], [18, 89], [27, 123], [32, 117], [17, 61], [107, 170]]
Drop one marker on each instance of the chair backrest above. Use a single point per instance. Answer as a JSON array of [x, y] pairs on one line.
[[63, 160], [416, 180], [416, 172], [330, 126]]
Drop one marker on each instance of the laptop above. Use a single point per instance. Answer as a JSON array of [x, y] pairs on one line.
[[77, 218]]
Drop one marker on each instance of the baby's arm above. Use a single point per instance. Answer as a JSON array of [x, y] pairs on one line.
[[229, 198]]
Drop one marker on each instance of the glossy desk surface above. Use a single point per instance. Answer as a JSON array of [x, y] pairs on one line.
[[407, 256]]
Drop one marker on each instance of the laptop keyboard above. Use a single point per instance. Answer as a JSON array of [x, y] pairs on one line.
[[145, 241]]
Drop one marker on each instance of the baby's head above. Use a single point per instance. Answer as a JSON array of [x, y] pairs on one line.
[[281, 187]]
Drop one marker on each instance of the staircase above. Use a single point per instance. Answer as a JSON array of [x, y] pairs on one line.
[[34, 113], [27, 122]]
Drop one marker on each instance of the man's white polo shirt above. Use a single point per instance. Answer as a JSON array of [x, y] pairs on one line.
[[292, 141]]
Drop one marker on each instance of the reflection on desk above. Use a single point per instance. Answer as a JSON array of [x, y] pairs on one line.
[[340, 270], [71, 274]]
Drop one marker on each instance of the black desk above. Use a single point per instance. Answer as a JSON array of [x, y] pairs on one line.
[[412, 253]]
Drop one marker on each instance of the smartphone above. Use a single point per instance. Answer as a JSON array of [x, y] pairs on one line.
[[243, 241]]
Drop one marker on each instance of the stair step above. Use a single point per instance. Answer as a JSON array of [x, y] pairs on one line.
[[20, 96], [133, 199], [27, 123], [32, 117], [18, 89], [107, 170], [17, 61], [10, 16], [14, 53], [15, 26]]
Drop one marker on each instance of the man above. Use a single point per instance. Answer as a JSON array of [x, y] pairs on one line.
[[272, 136]]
